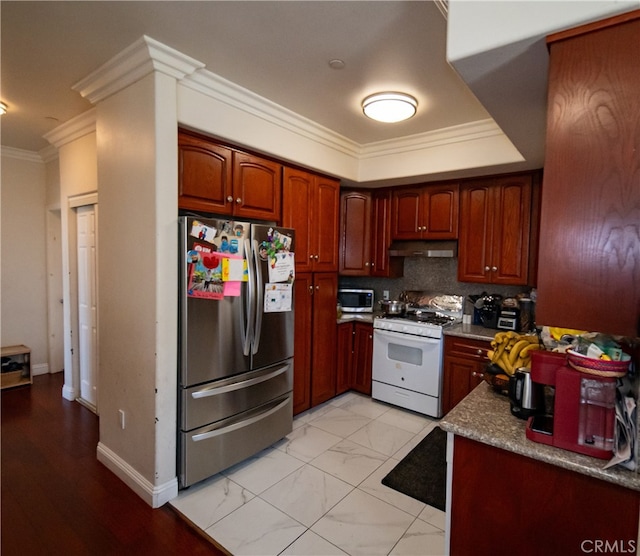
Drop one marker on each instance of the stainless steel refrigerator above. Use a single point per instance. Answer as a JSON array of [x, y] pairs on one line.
[[236, 330]]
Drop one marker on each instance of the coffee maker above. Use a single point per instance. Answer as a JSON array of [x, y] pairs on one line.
[[582, 414]]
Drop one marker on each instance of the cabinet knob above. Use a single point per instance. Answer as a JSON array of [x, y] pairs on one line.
[[487, 269], [317, 288], [230, 199], [479, 352], [494, 268], [238, 200], [317, 256], [476, 374], [311, 290], [366, 264]]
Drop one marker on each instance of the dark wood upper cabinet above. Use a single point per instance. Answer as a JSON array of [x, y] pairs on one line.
[[426, 212], [589, 267], [495, 230], [221, 180], [310, 205], [365, 234], [205, 168], [355, 233]]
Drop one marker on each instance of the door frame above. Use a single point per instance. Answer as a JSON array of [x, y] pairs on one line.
[[71, 389]]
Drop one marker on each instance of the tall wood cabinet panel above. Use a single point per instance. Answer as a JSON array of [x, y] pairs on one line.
[[495, 230], [323, 333], [590, 214], [218, 179], [314, 379], [344, 359], [383, 265], [428, 212], [310, 204], [303, 306]]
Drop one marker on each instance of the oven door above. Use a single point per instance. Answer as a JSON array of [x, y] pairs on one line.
[[407, 361]]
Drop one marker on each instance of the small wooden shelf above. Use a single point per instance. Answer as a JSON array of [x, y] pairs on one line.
[[22, 356]]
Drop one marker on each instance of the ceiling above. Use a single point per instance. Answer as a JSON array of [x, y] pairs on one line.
[[279, 50]]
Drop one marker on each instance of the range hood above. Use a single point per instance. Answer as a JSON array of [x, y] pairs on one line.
[[446, 249]]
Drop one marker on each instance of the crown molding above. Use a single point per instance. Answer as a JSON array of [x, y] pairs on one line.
[[21, 154], [132, 64], [231, 94], [49, 153], [73, 129], [470, 131]]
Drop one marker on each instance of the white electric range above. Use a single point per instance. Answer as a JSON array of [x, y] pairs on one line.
[[408, 352]]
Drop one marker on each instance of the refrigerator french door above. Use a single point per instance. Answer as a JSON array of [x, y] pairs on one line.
[[236, 338]]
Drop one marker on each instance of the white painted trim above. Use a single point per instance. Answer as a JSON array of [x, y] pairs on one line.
[[83, 199], [21, 154], [73, 129], [69, 393], [132, 64], [40, 369], [231, 94], [49, 153], [154, 495]]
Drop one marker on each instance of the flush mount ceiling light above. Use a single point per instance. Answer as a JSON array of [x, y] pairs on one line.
[[3, 108], [389, 107]]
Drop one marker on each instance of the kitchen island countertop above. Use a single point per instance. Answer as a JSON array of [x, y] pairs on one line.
[[484, 416]]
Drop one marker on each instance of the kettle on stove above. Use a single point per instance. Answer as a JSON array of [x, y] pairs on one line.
[[526, 396]]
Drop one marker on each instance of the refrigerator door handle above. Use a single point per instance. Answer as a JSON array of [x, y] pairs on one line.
[[240, 424], [250, 305], [259, 298], [239, 385]]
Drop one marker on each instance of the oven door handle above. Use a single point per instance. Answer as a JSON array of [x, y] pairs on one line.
[[404, 336]]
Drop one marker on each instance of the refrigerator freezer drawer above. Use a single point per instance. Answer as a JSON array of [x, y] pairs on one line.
[[208, 403], [208, 450]]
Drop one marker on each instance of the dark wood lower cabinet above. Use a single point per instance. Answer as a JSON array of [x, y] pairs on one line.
[[355, 353], [505, 503], [464, 363]]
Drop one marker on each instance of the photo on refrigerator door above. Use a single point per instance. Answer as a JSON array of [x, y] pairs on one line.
[[204, 271]]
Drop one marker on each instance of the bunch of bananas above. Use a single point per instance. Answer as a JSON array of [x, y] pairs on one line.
[[512, 350]]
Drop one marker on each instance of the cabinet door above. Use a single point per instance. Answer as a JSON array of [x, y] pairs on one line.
[[440, 212], [363, 355], [298, 197], [257, 185], [303, 296], [383, 265], [464, 363], [204, 175], [344, 362], [511, 228], [355, 233], [406, 214], [326, 215], [474, 244], [323, 376], [589, 230]]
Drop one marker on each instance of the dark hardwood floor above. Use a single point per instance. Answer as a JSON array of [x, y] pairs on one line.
[[58, 499]]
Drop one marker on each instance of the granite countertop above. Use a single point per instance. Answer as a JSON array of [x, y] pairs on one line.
[[485, 416], [473, 331]]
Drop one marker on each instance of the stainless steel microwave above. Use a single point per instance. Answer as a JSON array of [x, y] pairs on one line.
[[356, 300]]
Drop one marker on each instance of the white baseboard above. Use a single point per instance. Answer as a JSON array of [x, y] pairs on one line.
[[155, 496], [69, 393], [40, 369]]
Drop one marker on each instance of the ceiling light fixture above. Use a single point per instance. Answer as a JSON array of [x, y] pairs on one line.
[[3, 108], [389, 107]]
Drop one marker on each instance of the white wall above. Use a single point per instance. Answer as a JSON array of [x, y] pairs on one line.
[[78, 177], [137, 276], [23, 268]]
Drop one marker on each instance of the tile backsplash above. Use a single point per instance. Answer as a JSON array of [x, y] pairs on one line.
[[429, 274]]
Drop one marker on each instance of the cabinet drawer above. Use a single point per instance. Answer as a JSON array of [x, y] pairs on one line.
[[466, 347]]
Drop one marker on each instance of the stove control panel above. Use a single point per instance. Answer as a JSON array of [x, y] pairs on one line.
[[408, 327]]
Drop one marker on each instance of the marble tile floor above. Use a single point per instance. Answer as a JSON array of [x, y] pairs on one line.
[[318, 491]]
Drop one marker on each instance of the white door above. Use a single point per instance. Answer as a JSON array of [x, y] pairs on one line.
[[87, 304]]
